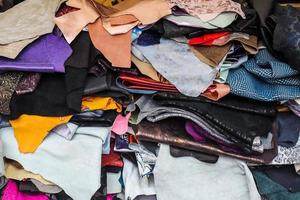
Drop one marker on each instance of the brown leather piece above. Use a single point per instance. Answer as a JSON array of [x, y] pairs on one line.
[[211, 55], [115, 48], [171, 133]]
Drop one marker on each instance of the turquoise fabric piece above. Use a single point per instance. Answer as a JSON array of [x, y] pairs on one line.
[[271, 190], [73, 165]]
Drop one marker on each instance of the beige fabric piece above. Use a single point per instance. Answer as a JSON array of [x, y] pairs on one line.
[[121, 29], [71, 24], [297, 168], [146, 11], [27, 20], [12, 50], [16, 173], [145, 68]]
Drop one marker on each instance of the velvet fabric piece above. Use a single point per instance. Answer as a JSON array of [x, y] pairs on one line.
[[47, 54]]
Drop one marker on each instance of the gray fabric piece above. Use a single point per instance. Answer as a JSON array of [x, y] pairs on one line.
[[1, 159], [267, 142], [176, 62], [187, 178], [153, 112], [3, 181], [73, 165], [134, 184], [66, 131], [50, 189], [143, 197], [28, 20], [145, 159], [113, 184], [221, 21]]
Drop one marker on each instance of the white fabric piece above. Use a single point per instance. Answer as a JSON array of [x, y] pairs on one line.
[[221, 21], [1, 159], [73, 165], [134, 184], [113, 184], [188, 178], [176, 62]]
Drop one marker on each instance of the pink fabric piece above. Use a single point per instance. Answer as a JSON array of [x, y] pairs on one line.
[[12, 192], [109, 197], [120, 125]]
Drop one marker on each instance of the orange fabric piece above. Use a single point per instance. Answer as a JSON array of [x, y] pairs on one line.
[[216, 91], [115, 48], [31, 130]]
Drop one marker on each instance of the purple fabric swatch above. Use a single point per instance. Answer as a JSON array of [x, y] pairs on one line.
[[46, 54]]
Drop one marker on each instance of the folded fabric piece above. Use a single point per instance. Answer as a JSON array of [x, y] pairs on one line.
[[224, 113], [134, 184], [72, 23], [221, 21], [113, 184], [105, 85], [230, 173], [211, 55], [116, 48], [27, 186], [12, 192], [16, 172], [49, 189], [87, 144], [8, 83], [28, 83], [46, 54], [286, 35], [180, 152], [265, 73], [29, 28], [169, 132], [289, 129], [195, 77], [119, 28], [30, 130], [147, 12], [272, 190], [294, 106]]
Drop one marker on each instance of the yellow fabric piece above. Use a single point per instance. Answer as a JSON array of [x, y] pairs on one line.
[[16, 173], [107, 3], [31, 130], [100, 103]]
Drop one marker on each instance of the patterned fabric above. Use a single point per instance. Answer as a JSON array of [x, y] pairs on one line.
[[28, 83], [200, 7], [286, 36], [8, 83], [265, 78]]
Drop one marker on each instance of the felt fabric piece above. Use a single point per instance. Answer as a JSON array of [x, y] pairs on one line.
[[53, 155]]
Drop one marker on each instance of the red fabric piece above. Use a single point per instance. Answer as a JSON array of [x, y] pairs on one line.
[[207, 39], [113, 159]]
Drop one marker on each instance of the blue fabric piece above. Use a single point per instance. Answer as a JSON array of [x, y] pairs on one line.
[[288, 129], [265, 78], [136, 32], [271, 190], [148, 39]]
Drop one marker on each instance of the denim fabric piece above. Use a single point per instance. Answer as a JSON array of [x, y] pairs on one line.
[[265, 78], [189, 75]]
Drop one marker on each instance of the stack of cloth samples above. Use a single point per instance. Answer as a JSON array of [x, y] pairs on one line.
[[149, 100]]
